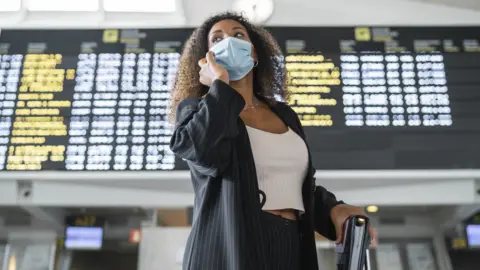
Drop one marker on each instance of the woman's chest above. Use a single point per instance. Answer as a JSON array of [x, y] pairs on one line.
[[278, 152], [265, 120]]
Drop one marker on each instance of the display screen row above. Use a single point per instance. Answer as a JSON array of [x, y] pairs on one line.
[[99, 99]]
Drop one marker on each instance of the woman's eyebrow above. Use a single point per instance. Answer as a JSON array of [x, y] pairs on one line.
[[216, 31], [239, 27]]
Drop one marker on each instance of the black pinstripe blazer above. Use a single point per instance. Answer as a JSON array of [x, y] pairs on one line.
[[225, 234]]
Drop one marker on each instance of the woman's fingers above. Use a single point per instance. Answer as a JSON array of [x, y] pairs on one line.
[[202, 62], [211, 71], [373, 237], [210, 58]]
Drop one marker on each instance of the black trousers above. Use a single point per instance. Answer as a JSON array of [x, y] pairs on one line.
[[283, 242]]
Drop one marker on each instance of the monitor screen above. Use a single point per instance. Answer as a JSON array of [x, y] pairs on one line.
[[84, 238], [368, 97], [473, 235]]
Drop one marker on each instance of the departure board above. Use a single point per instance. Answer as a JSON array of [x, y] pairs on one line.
[[386, 97], [369, 98]]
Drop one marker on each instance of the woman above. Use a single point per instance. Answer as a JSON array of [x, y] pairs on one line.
[[256, 203]]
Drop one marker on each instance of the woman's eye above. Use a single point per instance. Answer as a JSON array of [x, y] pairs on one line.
[[239, 35], [216, 39]]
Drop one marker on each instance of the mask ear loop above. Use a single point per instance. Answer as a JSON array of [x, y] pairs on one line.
[[256, 64]]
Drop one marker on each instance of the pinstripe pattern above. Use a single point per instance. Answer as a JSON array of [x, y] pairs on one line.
[[282, 242], [227, 230]]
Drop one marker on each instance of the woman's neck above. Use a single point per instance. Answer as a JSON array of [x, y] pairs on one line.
[[245, 88]]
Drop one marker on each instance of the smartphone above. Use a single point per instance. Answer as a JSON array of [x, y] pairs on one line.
[[352, 252]]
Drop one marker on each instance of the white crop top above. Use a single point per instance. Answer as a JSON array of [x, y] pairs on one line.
[[281, 161]]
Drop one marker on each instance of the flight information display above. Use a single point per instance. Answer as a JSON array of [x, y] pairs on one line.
[[386, 97], [369, 98]]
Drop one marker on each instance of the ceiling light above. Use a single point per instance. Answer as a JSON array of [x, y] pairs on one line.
[[139, 5], [372, 209], [62, 5], [10, 5]]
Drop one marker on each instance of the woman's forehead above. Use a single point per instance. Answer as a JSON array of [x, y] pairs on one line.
[[226, 25]]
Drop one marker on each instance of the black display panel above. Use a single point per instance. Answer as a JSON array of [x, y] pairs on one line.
[[369, 98]]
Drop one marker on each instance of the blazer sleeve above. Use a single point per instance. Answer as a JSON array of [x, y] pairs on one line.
[[324, 201], [204, 128]]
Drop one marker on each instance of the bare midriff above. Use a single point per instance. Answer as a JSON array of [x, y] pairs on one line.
[[284, 213]]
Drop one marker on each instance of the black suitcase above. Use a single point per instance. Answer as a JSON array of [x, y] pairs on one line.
[[352, 253]]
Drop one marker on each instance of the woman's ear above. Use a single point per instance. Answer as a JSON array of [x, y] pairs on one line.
[[254, 54]]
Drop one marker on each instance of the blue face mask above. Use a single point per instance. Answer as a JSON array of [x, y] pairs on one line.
[[235, 55]]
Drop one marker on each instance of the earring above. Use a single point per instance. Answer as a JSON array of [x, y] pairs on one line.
[[256, 64]]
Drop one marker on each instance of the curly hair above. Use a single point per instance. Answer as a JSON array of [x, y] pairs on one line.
[[269, 76]]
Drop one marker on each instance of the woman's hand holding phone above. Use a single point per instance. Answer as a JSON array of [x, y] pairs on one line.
[[211, 71]]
